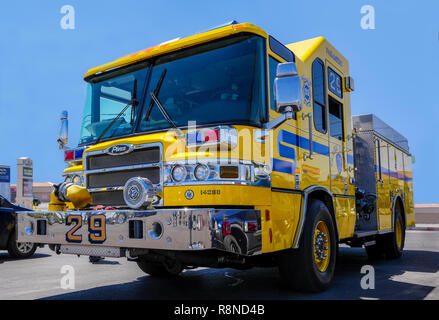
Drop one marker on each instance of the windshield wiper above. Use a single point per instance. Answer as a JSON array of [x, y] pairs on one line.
[[162, 109], [156, 93], [132, 103], [165, 113]]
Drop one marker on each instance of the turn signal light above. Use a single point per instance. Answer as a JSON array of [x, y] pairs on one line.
[[229, 172]]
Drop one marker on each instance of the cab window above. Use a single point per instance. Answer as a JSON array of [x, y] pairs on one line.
[[335, 119], [318, 89], [272, 66]]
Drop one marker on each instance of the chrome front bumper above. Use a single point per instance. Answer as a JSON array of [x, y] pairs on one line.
[[233, 230]]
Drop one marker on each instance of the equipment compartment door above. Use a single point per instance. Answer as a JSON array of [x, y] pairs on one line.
[[408, 190], [383, 186]]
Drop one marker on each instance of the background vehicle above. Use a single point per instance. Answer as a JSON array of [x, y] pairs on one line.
[[273, 173], [7, 231]]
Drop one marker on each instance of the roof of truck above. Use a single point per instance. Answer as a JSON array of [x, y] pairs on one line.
[[370, 122], [177, 44], [305, 50]]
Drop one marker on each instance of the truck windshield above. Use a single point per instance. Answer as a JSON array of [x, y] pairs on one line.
[[105, 100], [215, 83]]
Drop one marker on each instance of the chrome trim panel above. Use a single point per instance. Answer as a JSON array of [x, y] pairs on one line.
[[343, 196], [182, 229], [303, 207], [246, 170], [123, 168], [92, 251]]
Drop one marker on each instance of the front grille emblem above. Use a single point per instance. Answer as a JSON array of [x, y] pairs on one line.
[[119, 149]]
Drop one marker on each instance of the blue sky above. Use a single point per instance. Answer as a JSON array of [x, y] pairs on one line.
[[395, 66]]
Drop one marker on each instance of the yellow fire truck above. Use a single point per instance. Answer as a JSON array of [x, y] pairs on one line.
[[228, 149]]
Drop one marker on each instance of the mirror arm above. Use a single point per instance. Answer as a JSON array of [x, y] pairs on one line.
[[273, 124], [60, 143]]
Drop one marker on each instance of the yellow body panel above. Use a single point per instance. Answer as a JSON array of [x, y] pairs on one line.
[[396, 181], [284, 218], [217, 195]]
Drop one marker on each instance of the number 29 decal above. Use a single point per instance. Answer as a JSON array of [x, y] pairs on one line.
[[96, 228]]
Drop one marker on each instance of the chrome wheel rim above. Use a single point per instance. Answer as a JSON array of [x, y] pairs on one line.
[[24, 247], [322, 246]]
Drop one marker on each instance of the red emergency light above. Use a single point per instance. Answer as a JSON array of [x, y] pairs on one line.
[[69, 155]]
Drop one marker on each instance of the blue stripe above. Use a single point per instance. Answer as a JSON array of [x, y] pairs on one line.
[[393, 174], [284, 166], [303, 142]]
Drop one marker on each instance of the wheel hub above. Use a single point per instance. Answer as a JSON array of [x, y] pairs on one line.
[[321, 246]]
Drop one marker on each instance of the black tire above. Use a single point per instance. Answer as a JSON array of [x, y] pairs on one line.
[[298, 268], [391, 248], [171, 268], [374, 252], [232, 245], [20, 250], [387, 244]]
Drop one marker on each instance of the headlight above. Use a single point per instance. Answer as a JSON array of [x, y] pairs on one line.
[[74, 178], [77, 180], [179, 173], [201, 172], [224, 172]]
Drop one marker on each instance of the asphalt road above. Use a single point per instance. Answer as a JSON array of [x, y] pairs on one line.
[[414, 276]]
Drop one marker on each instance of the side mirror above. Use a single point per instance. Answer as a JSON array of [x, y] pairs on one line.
[[288, 93], [288, 88], [63, 135]]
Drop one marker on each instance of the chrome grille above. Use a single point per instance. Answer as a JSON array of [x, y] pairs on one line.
[[137, 156], [105, 174], [108, 198], [119, 178]]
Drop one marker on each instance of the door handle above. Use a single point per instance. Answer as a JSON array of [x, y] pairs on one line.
[[309, 115]]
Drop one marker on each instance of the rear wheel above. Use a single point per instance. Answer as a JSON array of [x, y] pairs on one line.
[[390, 245], [393, 243], [21, 250], [311, 267], [168, 268]]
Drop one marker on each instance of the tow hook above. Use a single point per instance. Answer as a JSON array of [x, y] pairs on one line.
[[129, 257]]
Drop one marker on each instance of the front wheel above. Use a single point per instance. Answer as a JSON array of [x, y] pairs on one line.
[[21, 250], [311, 267], [168, 268]]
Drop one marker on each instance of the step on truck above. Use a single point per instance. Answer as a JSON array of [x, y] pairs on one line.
[[228, 149]]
